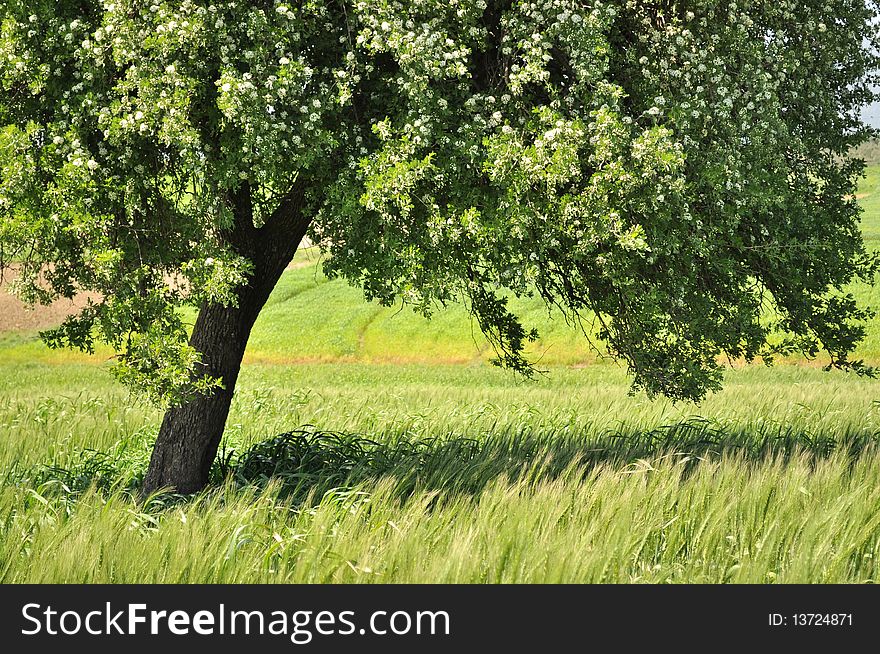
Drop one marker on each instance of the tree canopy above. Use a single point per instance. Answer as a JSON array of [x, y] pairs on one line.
[[674, 171]]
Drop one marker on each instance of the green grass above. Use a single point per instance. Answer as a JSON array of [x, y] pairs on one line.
[[869, 193], [663, 520], [449, 473], [366, 445]]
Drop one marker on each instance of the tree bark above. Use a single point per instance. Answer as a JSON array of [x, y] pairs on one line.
[[190, 433]]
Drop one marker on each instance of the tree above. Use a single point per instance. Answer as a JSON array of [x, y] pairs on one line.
[[674, 171]]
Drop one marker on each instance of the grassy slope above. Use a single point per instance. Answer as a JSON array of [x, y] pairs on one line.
[[311, 319], [471, 475]]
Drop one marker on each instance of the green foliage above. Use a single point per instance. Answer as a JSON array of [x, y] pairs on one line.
[[674, 171], [162, 370]]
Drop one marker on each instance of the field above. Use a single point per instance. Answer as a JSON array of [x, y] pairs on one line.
[[368, 445]]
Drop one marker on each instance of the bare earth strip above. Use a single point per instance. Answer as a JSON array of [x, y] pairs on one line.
[[15, 316]]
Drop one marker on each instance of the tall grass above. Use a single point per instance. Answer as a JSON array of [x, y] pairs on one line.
[[449, 474], [667, 518]]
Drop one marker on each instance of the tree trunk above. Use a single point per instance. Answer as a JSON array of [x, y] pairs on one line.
[[190, 433]]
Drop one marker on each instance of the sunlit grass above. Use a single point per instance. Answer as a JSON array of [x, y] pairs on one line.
[[661, 519], [450, 473]]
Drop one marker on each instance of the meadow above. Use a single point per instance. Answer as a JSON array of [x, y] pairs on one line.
[[368, 445]]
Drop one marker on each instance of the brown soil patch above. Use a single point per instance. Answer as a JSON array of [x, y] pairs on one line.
[[311, 258], [296, 265], [15, 316]]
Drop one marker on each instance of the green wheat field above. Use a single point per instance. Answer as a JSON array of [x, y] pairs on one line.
[[368, 445]]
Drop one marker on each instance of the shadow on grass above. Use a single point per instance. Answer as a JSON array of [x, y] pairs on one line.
[[311, 462], [307, 462]]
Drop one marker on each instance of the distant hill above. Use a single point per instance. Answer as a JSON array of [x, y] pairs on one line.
[[870, 152]]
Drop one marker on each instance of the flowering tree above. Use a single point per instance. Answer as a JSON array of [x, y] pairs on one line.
[[675, 171]]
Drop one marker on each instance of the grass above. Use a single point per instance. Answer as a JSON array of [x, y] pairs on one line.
[[450, 473], [660, 520], [366, 445]]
